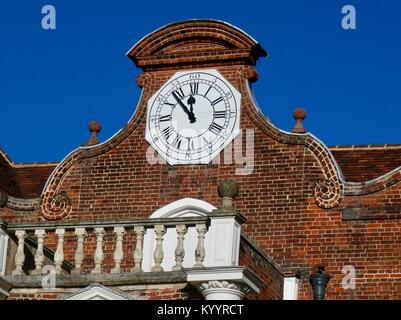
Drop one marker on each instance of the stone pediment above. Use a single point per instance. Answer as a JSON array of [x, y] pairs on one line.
[[98, 292]]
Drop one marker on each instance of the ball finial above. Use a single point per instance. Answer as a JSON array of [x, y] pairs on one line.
[[299, 115], [228, 190], [95, 127]]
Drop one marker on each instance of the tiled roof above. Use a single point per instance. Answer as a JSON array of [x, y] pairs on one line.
[[23, 180], [32, 178], [363, 163], [7, 176]]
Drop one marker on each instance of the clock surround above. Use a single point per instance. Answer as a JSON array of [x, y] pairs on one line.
[[193, 117]]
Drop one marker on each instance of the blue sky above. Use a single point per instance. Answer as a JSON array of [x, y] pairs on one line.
[[53, 82]]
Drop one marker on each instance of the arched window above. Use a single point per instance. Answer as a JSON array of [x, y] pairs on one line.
[[187, 207]]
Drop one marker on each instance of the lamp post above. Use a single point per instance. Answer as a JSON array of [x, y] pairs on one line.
[[319, 283]]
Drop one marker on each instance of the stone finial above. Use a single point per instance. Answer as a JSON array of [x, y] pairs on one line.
[[299, 115], [228, 190], [3, 198], [94, 128]]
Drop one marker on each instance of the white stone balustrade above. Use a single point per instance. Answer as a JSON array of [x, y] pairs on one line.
[[20, 255], [138, 253], [85, 255], [39, 256], [119, 252], [59, 254], [179, 251], [99, 256], [79, 253]]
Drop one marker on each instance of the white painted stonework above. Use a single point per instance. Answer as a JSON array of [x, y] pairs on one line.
[[221, 240], [229, 283], [3, 252], [290, 288], [222, 290], [97, 292]]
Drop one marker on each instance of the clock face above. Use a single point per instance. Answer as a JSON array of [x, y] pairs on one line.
[[193, 116]]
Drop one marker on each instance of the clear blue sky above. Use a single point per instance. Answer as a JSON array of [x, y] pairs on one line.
[[53, 82]]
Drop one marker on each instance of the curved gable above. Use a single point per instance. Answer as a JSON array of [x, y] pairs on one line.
[[195, 41]]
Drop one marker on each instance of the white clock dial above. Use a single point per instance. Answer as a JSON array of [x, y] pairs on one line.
[[193, 117]]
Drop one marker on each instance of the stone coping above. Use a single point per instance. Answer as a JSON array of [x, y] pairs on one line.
[[139, 278], [106, 279], [51, 225]]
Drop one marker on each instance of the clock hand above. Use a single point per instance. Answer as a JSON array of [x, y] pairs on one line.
[[191, 101], [191, 115]]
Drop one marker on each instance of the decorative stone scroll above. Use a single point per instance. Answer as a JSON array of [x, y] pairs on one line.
[[328, 194], [56, 206]]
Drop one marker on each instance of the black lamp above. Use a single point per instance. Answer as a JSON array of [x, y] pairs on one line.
[[319, 283]]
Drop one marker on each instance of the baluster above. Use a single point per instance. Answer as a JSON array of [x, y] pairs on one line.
[[98, 257], [160, 230], [179, 251], [79, 253], [118, 253], [59, 254], [200, 248], [19, 256], [39, 256], [138, 252]]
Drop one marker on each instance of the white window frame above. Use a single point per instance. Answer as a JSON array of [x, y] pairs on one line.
[[3, 251]]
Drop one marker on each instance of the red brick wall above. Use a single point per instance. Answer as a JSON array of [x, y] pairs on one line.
[[259, 265]]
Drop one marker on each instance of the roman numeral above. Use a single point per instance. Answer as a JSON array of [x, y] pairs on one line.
[[207, 92], [165, 118], [167, 132], [217, 101], [207, 142], [194, 88], [170, 104], [215, 128], [180, 93], [190, 144], [177, 142], [219, 114]]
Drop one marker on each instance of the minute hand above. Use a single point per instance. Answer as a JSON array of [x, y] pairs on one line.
[[191, 116]]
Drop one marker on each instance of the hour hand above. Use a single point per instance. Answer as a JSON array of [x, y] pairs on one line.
[[191, 101]]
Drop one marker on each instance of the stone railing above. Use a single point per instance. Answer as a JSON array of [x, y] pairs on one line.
[[197, 228]]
